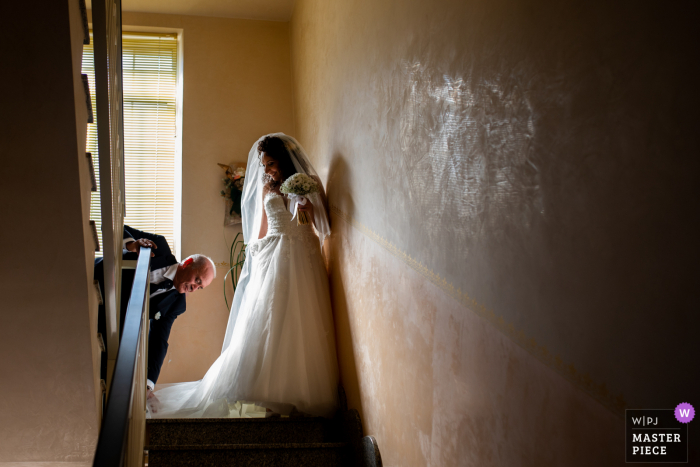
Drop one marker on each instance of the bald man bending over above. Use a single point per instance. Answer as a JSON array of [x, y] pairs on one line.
[[170, 282]]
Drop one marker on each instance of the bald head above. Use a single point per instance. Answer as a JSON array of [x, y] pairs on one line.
[[194, 273]]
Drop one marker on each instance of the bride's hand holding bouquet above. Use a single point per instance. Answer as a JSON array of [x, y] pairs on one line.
[[297, 188], [305, 210]]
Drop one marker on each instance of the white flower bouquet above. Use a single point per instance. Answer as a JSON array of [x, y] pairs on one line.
[[297, 187]]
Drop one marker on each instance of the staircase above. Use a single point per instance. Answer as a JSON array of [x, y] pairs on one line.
[[296, 441], [246, 441]]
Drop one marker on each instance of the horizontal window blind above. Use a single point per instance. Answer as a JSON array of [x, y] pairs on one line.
[[150, 111]]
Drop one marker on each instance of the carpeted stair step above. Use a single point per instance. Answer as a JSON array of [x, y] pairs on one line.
[[258, 454], [227, 431]]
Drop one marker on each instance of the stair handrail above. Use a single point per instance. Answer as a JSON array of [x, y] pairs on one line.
[[122, 437], [107, 37]]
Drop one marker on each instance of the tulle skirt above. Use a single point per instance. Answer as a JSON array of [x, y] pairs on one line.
[[282, 350]]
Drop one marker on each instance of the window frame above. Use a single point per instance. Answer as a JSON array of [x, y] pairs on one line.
[[177, 162]]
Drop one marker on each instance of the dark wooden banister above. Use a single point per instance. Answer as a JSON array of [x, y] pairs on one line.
[[112, 442]]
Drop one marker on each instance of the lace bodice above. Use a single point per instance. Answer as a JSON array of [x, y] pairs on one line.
[[279, 222], [278, 217]]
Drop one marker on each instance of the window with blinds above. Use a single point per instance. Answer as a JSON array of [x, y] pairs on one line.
[[150, 112]]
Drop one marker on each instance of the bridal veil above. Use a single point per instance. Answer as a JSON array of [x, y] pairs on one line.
[[252, 207]]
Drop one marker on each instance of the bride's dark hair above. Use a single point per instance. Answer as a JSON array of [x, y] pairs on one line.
[[275, 148]]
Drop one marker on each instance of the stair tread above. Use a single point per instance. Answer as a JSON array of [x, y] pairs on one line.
[[198, 447], [156, 421], [258, 431]]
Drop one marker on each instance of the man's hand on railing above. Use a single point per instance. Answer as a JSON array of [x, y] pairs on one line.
[[141, 242], [152, 402]]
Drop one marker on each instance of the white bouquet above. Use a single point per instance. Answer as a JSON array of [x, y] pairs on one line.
[[297, 187]]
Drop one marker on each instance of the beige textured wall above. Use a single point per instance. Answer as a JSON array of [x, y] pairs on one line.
[[237, 87], [512, 187], [49, 388]]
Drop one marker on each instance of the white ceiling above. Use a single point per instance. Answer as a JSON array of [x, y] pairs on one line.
[[273, 10]]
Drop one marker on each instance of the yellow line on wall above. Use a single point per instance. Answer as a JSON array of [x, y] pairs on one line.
[[599, 391]]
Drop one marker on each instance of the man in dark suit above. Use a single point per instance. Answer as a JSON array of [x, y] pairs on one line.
[[170, 282]]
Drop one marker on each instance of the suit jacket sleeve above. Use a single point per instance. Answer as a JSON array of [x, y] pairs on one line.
[[160, 241], [160, 332], [162, 254]]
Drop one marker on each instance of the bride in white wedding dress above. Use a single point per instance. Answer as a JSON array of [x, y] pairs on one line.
[[279, 349]]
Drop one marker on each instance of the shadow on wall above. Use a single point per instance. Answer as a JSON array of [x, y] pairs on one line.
[[336, 191], [337, 187]]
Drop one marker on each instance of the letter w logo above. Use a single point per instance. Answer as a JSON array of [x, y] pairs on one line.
[[685, 413]]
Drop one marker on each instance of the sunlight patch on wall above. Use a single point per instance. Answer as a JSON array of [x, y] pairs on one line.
[[464, 155]]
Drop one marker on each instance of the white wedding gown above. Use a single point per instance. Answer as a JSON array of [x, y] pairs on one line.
[[282, 351]]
